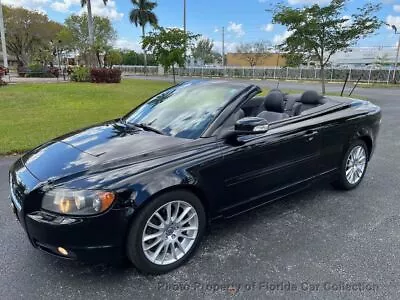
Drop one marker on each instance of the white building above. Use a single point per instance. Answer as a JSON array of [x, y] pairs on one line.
[[12, 61], [365, 56]]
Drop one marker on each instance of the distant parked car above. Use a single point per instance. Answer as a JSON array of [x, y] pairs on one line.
[[145, 185], [4, 70]]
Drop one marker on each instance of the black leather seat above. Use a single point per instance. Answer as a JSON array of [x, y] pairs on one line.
[[253, 107], [274, 106], [290, 103], [308, 100]]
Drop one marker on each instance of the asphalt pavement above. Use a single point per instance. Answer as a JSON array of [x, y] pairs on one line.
[[319, 244]]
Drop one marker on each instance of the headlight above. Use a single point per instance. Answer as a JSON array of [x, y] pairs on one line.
[[72, 202]]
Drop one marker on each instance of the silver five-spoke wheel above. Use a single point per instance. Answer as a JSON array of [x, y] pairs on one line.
[[170, 232], [355, 165]]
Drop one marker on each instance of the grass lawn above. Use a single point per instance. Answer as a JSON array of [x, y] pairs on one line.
[[35, 113]]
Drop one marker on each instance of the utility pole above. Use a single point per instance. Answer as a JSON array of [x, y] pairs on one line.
[[184, 16], [184, 25], [3, 37], [397, 55], [223, 46]]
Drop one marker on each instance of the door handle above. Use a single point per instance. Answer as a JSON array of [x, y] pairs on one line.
[[310, 135]]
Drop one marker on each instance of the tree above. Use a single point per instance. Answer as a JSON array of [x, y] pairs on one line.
[[88, 4], [130, 58], [204, 51], [141, 15], [104, 34], [168, 45], [28, 32], [254, 53], [113, 57], [321, 31], [383, 59], [294, 60], [217, 57]]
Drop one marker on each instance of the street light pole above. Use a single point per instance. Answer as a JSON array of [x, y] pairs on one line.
[[223, 46], [184, 16], [397, 55], [184, 27], [3, 37]]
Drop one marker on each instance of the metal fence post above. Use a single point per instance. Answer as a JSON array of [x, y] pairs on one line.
[[369, 76], [301, 69], [350, 75], [287, 72], [388, 78]]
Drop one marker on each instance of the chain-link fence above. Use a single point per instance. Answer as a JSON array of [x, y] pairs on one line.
[[138, 70], [367, 75]]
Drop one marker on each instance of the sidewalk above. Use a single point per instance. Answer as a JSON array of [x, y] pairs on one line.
[[15, 79]]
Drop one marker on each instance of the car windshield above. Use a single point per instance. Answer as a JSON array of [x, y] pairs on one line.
[[185, 110]]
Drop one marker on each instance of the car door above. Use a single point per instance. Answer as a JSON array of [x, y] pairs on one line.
[[269, 165]]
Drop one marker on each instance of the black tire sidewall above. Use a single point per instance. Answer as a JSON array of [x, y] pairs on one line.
[[343, 182], [134, 247]]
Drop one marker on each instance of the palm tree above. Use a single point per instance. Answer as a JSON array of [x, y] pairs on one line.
[[90, 18], [141, 15]]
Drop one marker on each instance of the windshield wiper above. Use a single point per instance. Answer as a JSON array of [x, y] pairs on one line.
[[143, 126], [148, 128]]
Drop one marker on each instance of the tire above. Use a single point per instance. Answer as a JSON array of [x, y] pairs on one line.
[[344, 182], [142, 235]]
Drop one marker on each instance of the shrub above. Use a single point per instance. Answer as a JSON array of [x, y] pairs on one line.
[[54, 71], [105, 75], [80, 74]]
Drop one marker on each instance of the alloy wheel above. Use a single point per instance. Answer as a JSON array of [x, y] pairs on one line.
[[355, 165], [170, 232]]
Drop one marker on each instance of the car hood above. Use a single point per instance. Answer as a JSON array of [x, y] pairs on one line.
[[104, 146]]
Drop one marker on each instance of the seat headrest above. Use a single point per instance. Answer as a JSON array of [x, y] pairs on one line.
[[311, 97], [274, 102], [275, 90]]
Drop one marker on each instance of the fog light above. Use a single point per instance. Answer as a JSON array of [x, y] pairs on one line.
[[62, 251]]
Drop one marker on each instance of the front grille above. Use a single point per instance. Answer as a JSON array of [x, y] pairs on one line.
[[16, 193]]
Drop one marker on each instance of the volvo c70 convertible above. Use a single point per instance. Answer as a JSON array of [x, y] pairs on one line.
[[144, 186]]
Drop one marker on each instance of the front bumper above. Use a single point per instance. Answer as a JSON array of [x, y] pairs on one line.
[[92, 239]]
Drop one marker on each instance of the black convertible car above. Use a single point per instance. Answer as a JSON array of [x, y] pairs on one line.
[[144, 186]]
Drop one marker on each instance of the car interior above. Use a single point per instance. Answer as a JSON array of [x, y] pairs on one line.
[[278, 106]]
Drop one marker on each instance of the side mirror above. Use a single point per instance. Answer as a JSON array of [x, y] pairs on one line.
[[247, 126], [251, 125]]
